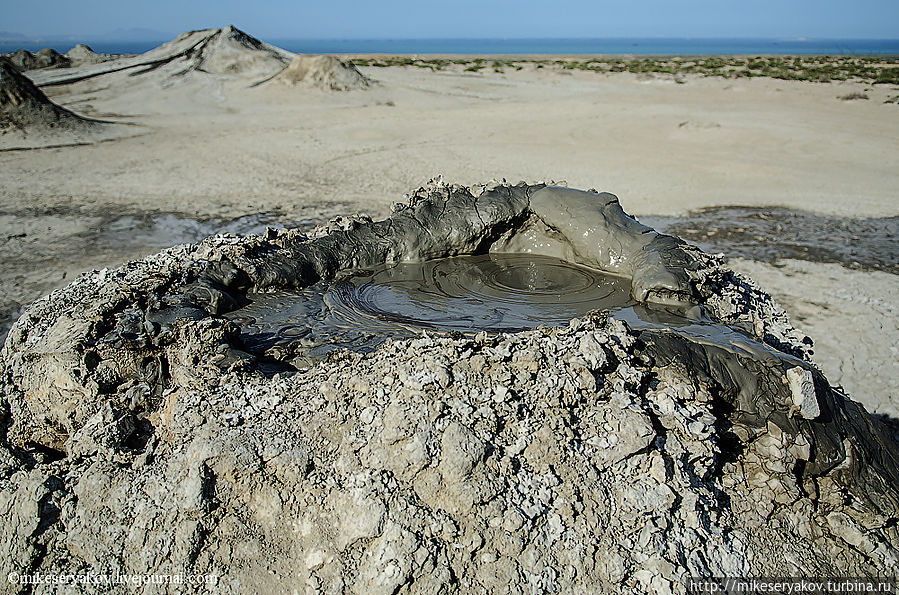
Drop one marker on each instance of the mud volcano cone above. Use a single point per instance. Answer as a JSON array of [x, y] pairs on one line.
[[82, 54], [137, 435], [25, 107], [45, 58], [231, 51], [324, 72]]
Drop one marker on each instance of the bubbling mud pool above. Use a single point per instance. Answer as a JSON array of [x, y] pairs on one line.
[[360, 309], [494, 293]]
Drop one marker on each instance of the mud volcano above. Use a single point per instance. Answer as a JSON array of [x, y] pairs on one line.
[[323, 72], [663, 419], [24, 107]]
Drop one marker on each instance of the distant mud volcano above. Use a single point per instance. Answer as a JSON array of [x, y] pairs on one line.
[[226, 52], [231, 51], [24, 108], [221, 409], [323, 72], [81, 55], [45, 58]]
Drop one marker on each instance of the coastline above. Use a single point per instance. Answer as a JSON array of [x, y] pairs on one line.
[[665, 46]]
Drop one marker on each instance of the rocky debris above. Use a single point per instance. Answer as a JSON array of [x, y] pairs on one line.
[[45, 58], [82, 54], [25, 108], [323, 72], [139, 438]]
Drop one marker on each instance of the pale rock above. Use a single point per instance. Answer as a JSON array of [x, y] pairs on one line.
[[802, 387]]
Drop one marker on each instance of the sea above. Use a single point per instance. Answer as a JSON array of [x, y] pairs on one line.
[[494, 46]]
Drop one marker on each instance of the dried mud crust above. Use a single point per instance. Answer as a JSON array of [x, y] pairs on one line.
[[589, 457]]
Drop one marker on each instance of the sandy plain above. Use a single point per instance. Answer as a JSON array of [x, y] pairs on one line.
[[206, 153]]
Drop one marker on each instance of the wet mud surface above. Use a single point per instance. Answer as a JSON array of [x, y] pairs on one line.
[[467, 294], [769, 234], [492, 293], [43, 250]]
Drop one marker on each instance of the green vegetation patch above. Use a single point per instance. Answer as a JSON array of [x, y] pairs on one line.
[[867, 69]]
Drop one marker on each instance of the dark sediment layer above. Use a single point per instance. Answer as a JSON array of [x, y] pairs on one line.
[[588, 456], [25, 108], [769, 234]]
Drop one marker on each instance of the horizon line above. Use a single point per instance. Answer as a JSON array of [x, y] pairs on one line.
[[165, 36]]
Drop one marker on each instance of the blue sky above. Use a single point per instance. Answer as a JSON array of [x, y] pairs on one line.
[[376, 19]]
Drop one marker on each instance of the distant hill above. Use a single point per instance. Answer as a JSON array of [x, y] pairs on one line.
[[196, 55], [324, 72], [123, 36], [7, 36], [82, 55], [45, 58], [25, 108]]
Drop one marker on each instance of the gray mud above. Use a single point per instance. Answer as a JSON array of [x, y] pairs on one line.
[[159, 230], [42, 251], [492, 293], [495, 293], [768, 234]]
